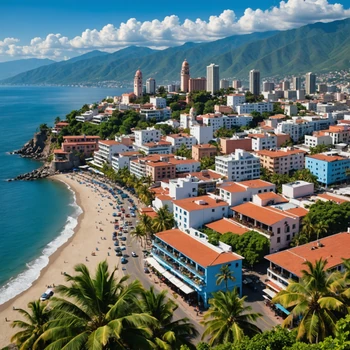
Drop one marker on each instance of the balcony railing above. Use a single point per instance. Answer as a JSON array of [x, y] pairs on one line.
[[177, 257], [186, 276], [251, 225]]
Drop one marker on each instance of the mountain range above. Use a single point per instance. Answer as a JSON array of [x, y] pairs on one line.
[[318, 47], [11, 68]]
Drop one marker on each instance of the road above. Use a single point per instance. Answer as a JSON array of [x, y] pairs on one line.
[[134, 268]]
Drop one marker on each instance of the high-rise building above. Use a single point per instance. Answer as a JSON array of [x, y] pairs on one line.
[[310, 83], [254, 82], [197, 84], [138, 89], [224, 84], [322, 88], [285, 85], [268, 87], [296, 83], [213, 81], [185, 76], [236, 84], [151, 86]]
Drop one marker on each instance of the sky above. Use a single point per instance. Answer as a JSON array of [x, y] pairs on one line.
[[61, 29]]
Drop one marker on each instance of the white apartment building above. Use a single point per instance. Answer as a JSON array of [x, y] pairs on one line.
[[290, 110], [177, 140], [145, 136], [122, 160], [158, 114], [160, 147], [238, 166], [257, 107], [203, 134], [99, 118], [181, 188], [171, 122], [235, 193], [263, 141], [87, 116], [184, 165], [106, 149], [219, 120], [318, 138], [158, 102], [234, 100], [196, 211], [298, 189]]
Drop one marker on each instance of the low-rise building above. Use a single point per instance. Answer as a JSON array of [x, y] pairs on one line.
[[318, 138], [107, 148], [86, 116], [158, 102], [159, 171], [282, 161], [298, 189], [288, 265], [234, 100], [80, 144], [196, 211], [145, 136], [263, 141], [205, 150], [203, 134], [329, 169], [238, 166], [179, 140], [260, 107], [191, 263], [279, 226], [160, 147], [229, 146], [122, 160]]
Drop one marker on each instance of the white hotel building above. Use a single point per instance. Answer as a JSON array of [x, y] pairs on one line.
[[106, 150]]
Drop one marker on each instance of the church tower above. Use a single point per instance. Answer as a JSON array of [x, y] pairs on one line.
[[138, 87], [185, 76]]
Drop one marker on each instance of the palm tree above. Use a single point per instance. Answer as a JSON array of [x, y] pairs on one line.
[[33, 328], [97, 312], [145, 195], [167, 333], [317, 299], [308, 227], [146, 225], [139, 234], [224, 275], [320, 228], [164, 220], [228, 320]]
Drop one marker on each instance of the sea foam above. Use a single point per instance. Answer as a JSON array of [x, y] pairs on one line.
[[25, 279]]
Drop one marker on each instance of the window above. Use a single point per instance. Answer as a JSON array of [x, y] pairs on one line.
[[279, 230], [236, 264], [278, 239], [213, 210], [293, 226], [288, 238]]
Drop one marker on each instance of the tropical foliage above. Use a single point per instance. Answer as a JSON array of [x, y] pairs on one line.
[[319, 299], [224, 276], [228, 320], [103, 312]]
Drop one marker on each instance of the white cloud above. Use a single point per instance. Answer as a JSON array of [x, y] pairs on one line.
[[170, 31]]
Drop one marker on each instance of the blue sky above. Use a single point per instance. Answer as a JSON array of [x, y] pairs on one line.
[[63, 28]]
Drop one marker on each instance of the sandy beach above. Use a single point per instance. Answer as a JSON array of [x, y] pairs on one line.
[[94, 224]]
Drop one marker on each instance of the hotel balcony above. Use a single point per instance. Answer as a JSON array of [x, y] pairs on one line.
[[280, 277], [175, 268], [251, 223], [180, 259]]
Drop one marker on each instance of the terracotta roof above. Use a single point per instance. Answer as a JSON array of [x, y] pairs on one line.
[[334, 248], [272, 195], [159, 164], [156, 144], [59, 151], [130, 153], [225, 225], [148, 211], [183, 161], [276, 154], [194, 249], [278, 116], [206, 175], [159, 190], [273, 286], [80, 136], [332, 198], [176, 136], [232, 187], [80, 143], [190, 205], [109, 142], [207, 145], [264, 215], [259, 136], [164, 197], [326, 158], [299, 212], [255, 183]]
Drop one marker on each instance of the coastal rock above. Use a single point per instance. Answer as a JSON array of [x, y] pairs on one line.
[[36, 174], [37, 148]]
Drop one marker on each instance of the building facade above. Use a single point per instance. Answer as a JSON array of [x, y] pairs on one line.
[[197, 84], [185, 76], [310, 83], [138, 86], [204, 150], [254, 82], [150, 86], [213, 80]]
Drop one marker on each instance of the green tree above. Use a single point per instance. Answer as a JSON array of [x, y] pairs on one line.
[[146, 225], [166, 333], [317, 299], [33, 327], [164, 220], [224, 275], [97, 312], [228, 320], [207, 163], [319, 149], [183, 151], [139, 234], [57, 120]]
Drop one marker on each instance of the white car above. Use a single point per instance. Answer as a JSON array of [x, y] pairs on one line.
[[47, 295], [133, 254]]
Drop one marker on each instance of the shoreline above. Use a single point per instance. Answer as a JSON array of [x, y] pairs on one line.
[[76, 250]]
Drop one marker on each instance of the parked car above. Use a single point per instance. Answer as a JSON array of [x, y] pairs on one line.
[[123, 260], [123, 238], [133, 254], [146, 270], [47, 295], [119, 253]]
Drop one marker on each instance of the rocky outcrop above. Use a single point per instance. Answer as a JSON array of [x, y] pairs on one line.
[[40, 173], [37, 148]]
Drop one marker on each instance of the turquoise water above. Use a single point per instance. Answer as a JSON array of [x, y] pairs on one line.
[[35, 217]]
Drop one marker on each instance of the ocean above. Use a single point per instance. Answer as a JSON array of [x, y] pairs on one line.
[[36, 217]]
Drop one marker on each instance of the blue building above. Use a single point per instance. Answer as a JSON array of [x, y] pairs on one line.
[[189, 262], [329, 169]]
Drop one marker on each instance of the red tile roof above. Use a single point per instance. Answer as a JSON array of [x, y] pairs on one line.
[[232, 187], [272, 196], [276, 154], [334, 248], [326, 158], [299, 212], [255, 183], [332, 198], [194, 249], [109, 142], [190, 204], [226, 225]]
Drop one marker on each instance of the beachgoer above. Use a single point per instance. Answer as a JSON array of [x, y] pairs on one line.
[[6, 319]]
